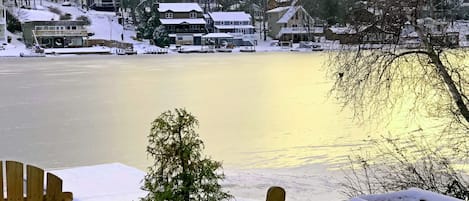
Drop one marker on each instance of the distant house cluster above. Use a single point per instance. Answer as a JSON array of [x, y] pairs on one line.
[[186, 23], [3, 24]]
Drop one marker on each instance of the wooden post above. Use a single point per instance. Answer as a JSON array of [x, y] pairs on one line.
[[275, 193]]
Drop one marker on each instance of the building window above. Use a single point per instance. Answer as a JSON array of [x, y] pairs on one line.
[[194, 27], [168, 15], [193, 15], [226, 23], [236, 23]]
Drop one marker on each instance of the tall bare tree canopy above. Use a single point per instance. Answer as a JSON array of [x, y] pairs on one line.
[[414, 55]]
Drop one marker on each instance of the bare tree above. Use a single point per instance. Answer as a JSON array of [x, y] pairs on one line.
[[426, 68], [414, 66]]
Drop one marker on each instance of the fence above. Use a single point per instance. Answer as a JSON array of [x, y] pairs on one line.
[[108, 43]]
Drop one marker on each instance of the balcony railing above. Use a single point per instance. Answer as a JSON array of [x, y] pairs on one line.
[[243, 36], [61, 33], [186, 31]]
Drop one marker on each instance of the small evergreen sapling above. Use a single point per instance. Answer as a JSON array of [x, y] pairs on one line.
[[179, 171]]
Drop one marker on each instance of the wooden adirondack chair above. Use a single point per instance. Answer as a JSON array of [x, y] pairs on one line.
[[275, 193], [34, 184]]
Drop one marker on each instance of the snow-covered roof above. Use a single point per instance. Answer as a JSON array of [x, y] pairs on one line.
[[288, 15], [217, 35], [234, 26], [230, 16], [183, 21], [279, 9], [342, 30], [291, 12], [179, 7], [26, 15]]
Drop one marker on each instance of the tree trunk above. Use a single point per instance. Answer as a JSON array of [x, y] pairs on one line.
[[449, 82], [185, 180], [453, 90]]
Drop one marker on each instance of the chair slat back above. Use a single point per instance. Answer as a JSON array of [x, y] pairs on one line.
[[54, 188], [275, 193], [1, 180], [35, 183], [14, 181]]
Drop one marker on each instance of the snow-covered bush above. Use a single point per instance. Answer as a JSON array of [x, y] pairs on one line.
[[161, 37]]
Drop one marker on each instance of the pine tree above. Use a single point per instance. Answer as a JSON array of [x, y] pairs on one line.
[[179, 171]]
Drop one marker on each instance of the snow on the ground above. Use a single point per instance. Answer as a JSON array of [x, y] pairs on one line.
[[118, 182], [97, 50], [25, 15], [107, 182], [413, 194]]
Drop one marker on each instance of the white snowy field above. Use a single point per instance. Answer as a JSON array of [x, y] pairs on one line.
[[118, 182]]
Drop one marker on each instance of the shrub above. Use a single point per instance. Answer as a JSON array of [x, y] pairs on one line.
[[397, 164], [55, 10], [66, 16], [13, 24], [84, 19]]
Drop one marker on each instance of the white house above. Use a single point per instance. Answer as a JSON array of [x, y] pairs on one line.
[[3, 24], [237, 24]]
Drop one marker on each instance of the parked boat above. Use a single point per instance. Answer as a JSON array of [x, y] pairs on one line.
[[225, 50], [248, 49], [36, 51], [317, 48]]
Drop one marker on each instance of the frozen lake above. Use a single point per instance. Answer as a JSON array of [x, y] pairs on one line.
[[265, 114]]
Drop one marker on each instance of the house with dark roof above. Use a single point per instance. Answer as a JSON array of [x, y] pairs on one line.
[[103, 5], [291, 23], [271, 4], [184, 22]]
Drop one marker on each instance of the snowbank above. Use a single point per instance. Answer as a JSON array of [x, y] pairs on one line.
[[413, 194], [107, 182]]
